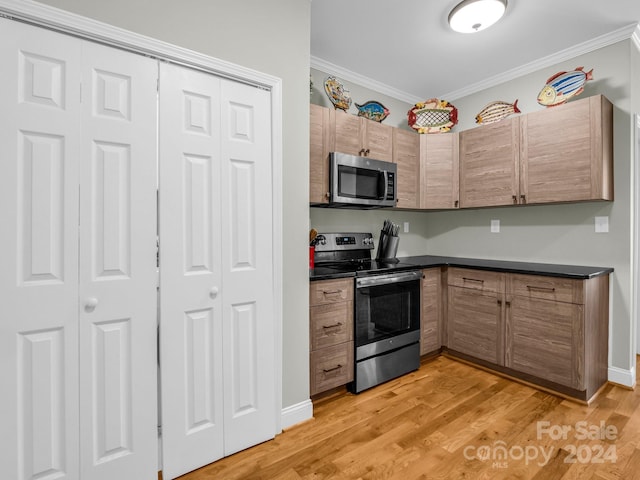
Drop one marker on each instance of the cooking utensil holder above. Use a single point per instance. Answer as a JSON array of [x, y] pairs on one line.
[[391, 247], [387, 246]]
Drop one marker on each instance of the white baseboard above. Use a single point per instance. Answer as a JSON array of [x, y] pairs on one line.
[[623, 377], [300, 412]]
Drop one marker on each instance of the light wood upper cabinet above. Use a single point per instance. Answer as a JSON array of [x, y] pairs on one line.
[[359, 136], [566, 152], [489, 168], [319, 148], [560, 154], [406, 154], [439, 174]]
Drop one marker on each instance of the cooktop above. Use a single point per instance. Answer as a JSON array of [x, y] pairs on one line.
[[350, 253]]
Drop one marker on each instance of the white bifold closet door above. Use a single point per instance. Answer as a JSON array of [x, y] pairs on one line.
[[216, 283], [77, 258]]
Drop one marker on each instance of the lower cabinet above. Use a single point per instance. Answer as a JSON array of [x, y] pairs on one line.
[[551, 331], [556, 329], [475, 314], [331, 334], [431, 311]]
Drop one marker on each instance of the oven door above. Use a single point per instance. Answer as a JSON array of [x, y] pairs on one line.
[[387, 312]]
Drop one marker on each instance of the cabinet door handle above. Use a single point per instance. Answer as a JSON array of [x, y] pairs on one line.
[[543, 289], [500, 302], [335, 325], [523, 199], [329, 370], [361, 152], [366, 152], [456, 203], [332, 292], [515, 199], [467, 279]]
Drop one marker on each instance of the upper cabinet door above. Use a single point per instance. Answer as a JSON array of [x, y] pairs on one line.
[[360, 136], [439, 171], [406, 154], [489, 165], [566, 152], [319, 148], [378, 140], [348, 133]]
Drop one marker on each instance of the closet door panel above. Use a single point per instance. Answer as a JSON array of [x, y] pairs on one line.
[[39, 134], [246, 170], [191, 277], [118, 318]]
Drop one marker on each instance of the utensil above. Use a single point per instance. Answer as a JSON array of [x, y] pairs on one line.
[[313, 233]]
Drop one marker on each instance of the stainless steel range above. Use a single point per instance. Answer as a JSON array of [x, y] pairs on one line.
[[386, 307]]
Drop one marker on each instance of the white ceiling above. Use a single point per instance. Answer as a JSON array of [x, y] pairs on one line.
[[405, 48]]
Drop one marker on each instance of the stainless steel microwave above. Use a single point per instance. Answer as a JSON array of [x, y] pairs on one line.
[[361, 182]]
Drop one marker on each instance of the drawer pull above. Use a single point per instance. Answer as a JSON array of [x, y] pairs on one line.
[[332, 292], [329, 370], [543, 289], [335, 325], [467, 279]]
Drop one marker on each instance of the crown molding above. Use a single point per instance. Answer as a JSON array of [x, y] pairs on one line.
[[346, 74], [631, 31]]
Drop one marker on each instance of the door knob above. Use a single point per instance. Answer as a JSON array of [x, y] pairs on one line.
[[213, 293], [90, 304]]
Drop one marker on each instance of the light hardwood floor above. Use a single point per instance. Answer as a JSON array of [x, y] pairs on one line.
[[449, 420]]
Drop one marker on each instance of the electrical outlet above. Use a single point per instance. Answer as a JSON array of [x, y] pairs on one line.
[[495, 226], [406, 227], [602, 224]]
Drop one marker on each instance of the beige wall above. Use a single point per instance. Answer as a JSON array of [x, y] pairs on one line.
[[271, 37], [551, 233]]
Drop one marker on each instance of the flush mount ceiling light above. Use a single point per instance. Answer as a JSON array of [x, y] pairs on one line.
[[471, 16]]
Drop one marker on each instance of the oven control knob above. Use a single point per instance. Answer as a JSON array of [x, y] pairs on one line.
[[368, 241]]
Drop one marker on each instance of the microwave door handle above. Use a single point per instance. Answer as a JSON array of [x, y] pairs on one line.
[[385, 178]]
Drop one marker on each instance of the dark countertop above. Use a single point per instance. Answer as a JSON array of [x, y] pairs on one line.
[[528, 268]]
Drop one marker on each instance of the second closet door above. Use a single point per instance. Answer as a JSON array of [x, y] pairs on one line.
[[216, 286], [118, 278]]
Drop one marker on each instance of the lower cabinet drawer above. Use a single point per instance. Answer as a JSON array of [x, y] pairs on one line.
[[549, 288], [486, 281], [331, 324], [331, 367]]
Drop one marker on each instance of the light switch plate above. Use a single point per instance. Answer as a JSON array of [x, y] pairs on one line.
[[602, 224], [495, 226]]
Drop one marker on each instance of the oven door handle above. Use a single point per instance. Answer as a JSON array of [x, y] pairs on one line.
[[388, 278]]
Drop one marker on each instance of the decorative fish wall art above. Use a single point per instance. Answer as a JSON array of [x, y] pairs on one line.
[[496, 111], [432, 116], [564, 85], [373, 111], [339, 96]]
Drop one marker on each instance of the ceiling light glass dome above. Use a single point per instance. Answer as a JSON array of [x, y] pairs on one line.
[[471, 16]]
